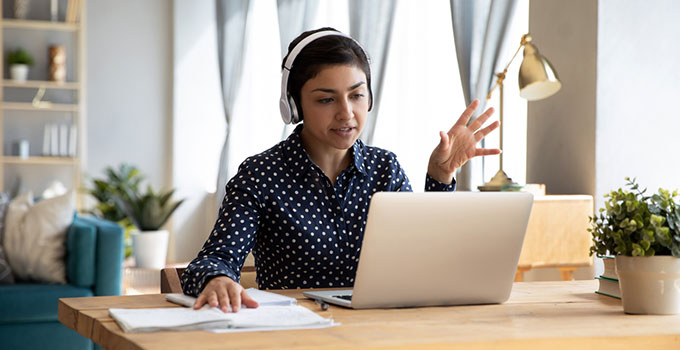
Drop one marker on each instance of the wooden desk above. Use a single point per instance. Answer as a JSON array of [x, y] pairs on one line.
[[557, 235], [539, 315]]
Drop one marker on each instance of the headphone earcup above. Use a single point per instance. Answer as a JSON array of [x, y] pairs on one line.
[[284, 107], [294, 114]]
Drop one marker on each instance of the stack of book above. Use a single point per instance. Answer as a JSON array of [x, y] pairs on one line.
[[609, 280]]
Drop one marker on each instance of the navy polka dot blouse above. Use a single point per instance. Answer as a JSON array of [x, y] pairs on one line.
[[304, 231]]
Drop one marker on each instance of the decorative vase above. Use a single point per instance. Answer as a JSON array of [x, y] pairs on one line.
[[18, 72], [150, 248], [58, 63], [21, 8], [649, 285]]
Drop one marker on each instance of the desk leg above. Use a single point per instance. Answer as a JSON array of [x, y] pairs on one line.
[[567, 273], [519, 274]]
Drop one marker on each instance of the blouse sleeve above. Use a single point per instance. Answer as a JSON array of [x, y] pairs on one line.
[[432, 185], [232, 238]]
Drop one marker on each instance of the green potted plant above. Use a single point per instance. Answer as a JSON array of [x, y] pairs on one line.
[[643, 233], [148, 212], [18, 61], [117, 181]]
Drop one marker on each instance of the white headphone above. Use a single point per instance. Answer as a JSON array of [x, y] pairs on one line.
[[289, 110]]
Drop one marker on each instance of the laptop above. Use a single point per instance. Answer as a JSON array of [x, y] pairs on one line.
[[437, 248]]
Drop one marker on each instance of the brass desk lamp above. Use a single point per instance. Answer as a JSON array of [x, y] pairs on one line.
[[537, 80]]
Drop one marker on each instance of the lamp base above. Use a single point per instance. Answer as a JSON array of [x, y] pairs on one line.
[[499, 182]]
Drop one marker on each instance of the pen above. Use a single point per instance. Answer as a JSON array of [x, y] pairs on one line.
[[321, 303]]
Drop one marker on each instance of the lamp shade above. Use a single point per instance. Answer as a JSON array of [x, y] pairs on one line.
[[537, 78]]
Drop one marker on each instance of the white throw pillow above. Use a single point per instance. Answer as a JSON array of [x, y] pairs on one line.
[[35, 237]]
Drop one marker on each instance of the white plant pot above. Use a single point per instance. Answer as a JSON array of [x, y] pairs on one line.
[[18, 72], [649, 285], [150, 248]]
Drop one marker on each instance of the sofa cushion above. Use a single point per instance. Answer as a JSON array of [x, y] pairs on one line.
[[6, 276], [35, 237], [109, 258], [33, 302], [81, 244]]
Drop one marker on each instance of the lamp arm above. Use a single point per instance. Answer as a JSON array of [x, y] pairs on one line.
[[501, 76]]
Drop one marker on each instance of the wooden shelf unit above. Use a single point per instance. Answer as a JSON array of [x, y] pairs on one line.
[[39, 160], [57, 107], [36, 84], [39, 25], [28, 30]]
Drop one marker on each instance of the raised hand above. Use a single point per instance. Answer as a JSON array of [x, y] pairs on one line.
[[459, 144]]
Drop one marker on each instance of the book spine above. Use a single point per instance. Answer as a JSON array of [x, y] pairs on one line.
[[54, 140], [46, 140], [63, 140], [72, 141]]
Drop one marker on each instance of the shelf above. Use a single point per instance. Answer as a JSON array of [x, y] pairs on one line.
[[57, 107], [39, 25], [39, 160], [36, 84]]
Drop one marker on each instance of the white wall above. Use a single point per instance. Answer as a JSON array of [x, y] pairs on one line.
[[129, 86], [561, 128], [637, 87]]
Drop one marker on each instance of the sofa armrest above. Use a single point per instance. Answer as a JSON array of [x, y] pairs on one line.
[[81, 245], [109, 255]]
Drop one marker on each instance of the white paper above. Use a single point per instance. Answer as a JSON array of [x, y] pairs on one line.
[[63, 140], [263, 298], [177, 318], [266, 329], [268, 298]]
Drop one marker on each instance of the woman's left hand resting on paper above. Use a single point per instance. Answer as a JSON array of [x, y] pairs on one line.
[[223, 291], [459, 144]]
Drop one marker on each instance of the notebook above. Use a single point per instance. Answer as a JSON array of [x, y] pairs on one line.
[[437, 248], [275, 312]]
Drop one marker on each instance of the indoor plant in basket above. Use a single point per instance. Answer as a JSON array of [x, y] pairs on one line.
[[148, 212], [643, 232]]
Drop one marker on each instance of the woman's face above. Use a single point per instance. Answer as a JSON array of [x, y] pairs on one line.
[[334, 104]]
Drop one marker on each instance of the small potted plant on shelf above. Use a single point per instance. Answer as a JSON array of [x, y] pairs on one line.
[[643, 233], [148, 212], [18, 61]]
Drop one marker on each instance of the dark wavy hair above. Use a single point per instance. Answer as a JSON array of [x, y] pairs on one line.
[[322, 52]]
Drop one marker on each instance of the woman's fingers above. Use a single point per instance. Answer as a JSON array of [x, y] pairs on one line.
[[200, 301], [487, 151], [477, 123], [224, 299], [248, 301], [235, 297], [212, 299], [479, 135], [465, 117]]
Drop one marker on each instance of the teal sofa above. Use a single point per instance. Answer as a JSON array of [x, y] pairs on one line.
[[94, 263]]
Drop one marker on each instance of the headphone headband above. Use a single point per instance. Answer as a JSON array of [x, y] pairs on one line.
[[289, 110]]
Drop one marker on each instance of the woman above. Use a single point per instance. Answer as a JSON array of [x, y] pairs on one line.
[[301, 205]]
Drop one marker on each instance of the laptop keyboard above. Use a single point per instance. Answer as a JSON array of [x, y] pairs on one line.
[[346, 297]]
